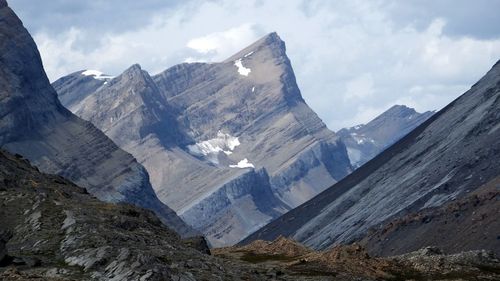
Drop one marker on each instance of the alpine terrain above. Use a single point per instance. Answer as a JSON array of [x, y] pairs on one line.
[[51, 229], [365, 141], [34, 124], [440, 180], [229, 146], [106, 177]]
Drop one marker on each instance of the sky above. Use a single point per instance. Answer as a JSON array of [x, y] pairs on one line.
[[353, 59]]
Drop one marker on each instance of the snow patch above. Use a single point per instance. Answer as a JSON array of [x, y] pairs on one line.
[[249, 54], [91, 72], [361, 139], [211, 148], [243, 164], [96, 74], [253, 89], [241, 69]]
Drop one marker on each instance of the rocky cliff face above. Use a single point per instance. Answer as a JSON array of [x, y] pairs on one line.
[[363, 142], [34, 124], [204, 129], [451, 154], [240, 206]]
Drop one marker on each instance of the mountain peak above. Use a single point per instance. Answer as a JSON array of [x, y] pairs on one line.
[[271, 38], [399, 110], [135, 68], [3, 4], [135, 73], [271, 42]]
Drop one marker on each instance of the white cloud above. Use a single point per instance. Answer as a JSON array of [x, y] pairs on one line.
[[362, 115], [221, 44], [351, 59], [359, 88]]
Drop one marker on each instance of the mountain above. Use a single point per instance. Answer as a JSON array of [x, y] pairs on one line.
[[363, 142], [453, 153], [229, 146], [34, 124]]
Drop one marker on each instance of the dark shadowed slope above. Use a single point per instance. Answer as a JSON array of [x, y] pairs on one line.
[[467, 224], [363, 142], [34, 124], [451, 154]]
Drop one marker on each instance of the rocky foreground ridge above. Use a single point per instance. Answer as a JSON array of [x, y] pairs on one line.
[[352, 262], [51, 229]]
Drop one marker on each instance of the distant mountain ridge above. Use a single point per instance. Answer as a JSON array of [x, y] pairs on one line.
[[230, 145], [35, 124], [363, 142], [453, 153]]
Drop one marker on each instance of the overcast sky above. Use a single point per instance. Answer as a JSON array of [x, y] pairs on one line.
[[353, 59]]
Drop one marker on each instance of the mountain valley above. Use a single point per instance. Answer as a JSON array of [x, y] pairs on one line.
[[222, 171]]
